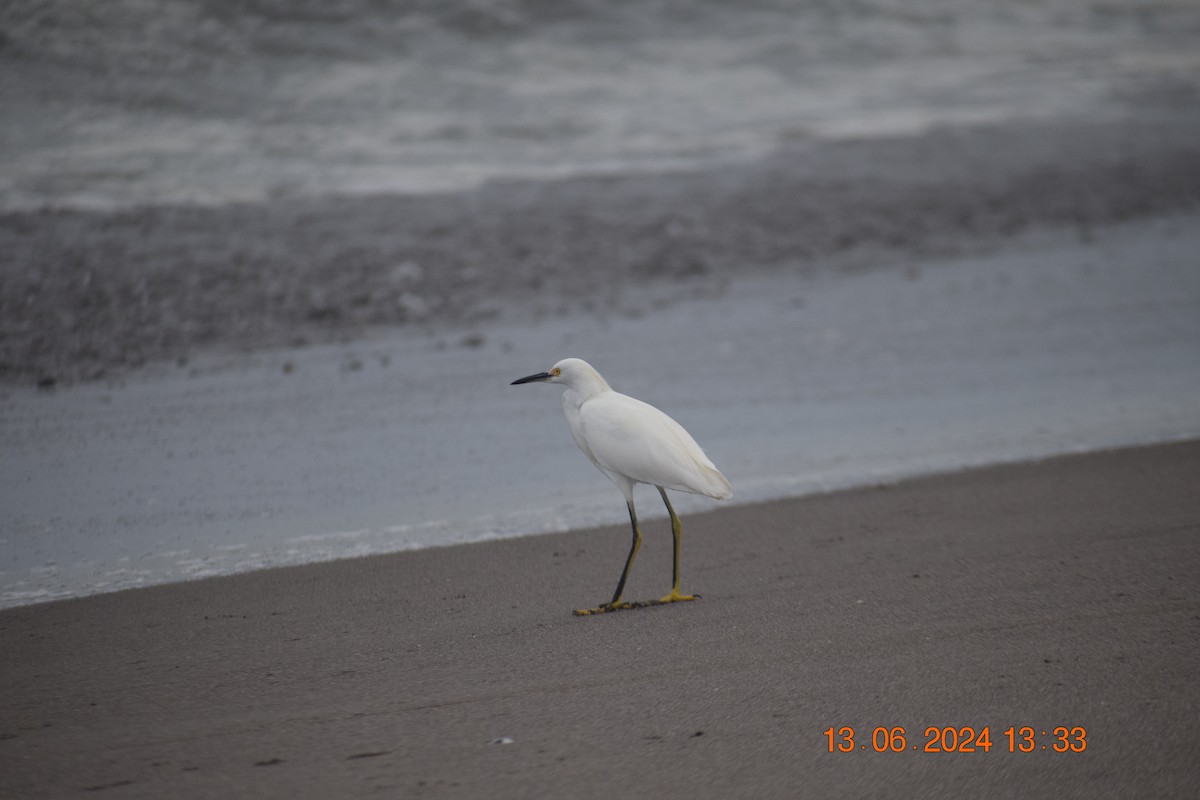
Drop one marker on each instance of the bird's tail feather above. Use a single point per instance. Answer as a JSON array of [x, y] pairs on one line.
[[717, 486]]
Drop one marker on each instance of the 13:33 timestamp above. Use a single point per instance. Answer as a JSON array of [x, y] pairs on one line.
[[965, 739]]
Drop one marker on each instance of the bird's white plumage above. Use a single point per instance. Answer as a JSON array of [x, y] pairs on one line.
[[634, 439], [631, 441]]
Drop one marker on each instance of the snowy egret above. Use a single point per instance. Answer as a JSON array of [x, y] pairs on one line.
[[632, 442]]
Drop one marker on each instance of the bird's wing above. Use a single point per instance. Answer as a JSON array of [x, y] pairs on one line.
[[635, 439]]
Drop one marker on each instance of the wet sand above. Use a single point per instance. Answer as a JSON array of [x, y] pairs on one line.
[[1059, 593], [88, 295]]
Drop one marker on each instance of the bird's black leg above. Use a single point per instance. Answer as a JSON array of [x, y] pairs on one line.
[[634, 546], [615, 604], [677, 533]]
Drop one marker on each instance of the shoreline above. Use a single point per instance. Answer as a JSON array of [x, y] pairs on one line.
[[1054, 593], [1048, 345], [647, 512]]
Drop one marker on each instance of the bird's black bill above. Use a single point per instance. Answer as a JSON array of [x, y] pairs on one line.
[[541, 376]]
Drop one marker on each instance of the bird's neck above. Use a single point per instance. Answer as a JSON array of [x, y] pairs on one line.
[[584, 388]]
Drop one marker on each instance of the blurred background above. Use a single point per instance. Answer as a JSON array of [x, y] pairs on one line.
[[265, 267], [167, 163], [157, 101]]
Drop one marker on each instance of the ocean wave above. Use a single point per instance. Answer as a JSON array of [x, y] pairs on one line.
[[166, 101]]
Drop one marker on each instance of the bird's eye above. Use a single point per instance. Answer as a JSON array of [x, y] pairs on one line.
[[556, 372]]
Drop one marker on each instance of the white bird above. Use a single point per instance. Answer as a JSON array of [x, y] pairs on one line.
[[632, 442]]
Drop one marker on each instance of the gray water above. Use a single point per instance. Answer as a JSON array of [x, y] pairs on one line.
[[792, 384], [168, 101]]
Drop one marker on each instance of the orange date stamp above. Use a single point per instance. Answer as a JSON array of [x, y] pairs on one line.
[[951, 739]]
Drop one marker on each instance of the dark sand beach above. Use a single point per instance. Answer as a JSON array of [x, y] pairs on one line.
[[1058, 593]]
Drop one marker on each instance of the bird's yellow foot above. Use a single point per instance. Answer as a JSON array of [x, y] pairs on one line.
[[673, 597], [604, 609]]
